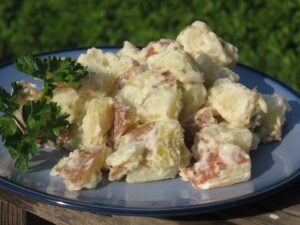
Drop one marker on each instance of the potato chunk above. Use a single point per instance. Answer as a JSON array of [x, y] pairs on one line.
[[177, 62], [149, 104], [129, 50], [105, 67], [271, 126], [124, 78], [138, 88], [237, 104], [198, 38], [193, 98], [212, 135], [86, 93], [162, 103], [152, 151], [82, 168], [151, 96], [221, 154], [204, 117], [154, 47], [125, 118], [99, 71], [97, 118], [67, 98], [107, 63], [226, 165], [97, 121], [213, 71]]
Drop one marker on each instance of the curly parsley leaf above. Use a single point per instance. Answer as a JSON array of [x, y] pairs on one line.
[[22, 127], [52, 70], [41, 121], [8, 102]]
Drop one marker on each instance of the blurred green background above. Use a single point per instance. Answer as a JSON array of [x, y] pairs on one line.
[[266, 32]]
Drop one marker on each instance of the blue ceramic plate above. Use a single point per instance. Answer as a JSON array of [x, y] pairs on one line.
[[274, 165]]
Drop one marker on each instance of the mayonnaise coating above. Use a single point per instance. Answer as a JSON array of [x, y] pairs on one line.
[[138, 110]]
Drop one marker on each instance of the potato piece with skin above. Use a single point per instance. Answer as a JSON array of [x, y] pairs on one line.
[[237, 104], [271, 126], [227, 164], [82, 168], [124, 78], [211, 136], [97, 121], [179, 64], [163, 157], [221, 154], [129, 152], [193, 98], [198, 38], [152, 151], [151, 96], [126, 158], [105, 67], [125, 118], [154, 47], [205, 117], [212, 71]]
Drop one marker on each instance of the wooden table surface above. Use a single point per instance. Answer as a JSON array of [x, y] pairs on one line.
[[280, 208]]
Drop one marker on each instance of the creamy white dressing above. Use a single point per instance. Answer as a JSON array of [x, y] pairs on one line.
[[167, 83]]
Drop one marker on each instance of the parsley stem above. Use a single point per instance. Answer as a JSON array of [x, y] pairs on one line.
[[21, 125]]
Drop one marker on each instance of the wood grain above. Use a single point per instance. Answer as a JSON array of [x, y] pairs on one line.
[[11, 215], [279, 209]]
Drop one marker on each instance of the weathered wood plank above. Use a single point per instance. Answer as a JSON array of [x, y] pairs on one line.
[[11, 215], [251, 214], [63, 216], [278, 209], [287, 201], [58, 215], [173, 221]]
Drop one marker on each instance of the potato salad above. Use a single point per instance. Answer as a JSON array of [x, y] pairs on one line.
[[173, 107]]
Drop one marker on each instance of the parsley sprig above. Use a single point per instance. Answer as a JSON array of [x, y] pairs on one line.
[[52, 70], [41, 120]]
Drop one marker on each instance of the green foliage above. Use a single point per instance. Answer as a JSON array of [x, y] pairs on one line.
[[41, 120], [266, 32], [52, 70]]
